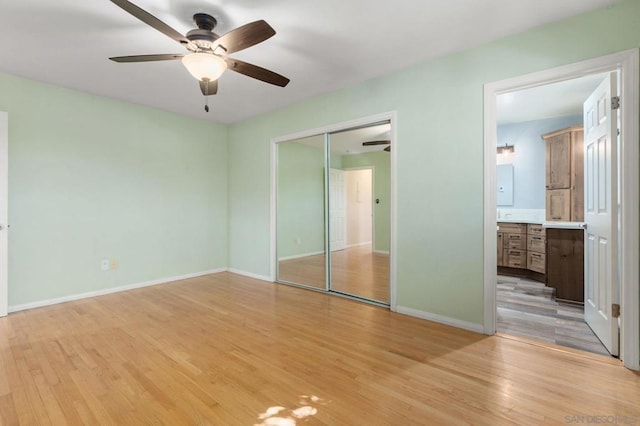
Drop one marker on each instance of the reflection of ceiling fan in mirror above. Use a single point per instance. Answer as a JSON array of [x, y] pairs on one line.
[[207, 57], [382, 142]]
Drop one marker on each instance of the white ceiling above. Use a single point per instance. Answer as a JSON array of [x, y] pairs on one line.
[[560, 99], [321, 46], [349, 142]]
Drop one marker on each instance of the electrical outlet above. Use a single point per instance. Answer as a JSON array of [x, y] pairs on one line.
[[113, 264], [298, 241], [104, 265]]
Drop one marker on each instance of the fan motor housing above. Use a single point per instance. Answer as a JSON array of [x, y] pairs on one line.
[[202, 38]]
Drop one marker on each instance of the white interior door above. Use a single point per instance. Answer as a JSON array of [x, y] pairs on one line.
[[337, 214], [359, 210], [4, 175], [601, 272]]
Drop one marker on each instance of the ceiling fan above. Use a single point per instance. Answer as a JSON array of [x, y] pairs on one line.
[[207, 53], [381, 142]]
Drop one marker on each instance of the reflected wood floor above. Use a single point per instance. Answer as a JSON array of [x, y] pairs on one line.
[[229, 350], [528, 309], [355, 270]]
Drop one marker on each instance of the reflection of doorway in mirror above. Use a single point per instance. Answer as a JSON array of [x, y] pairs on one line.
[[359, 188], [337, 210]]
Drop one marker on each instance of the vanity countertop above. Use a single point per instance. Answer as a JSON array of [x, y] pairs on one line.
[[564, 225], [555, 225], [516, 220]]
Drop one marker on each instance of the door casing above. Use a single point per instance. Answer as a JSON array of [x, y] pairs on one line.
[[4, 213], [627, 63]]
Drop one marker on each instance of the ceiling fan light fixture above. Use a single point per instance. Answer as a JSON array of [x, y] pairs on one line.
[[204, 66]]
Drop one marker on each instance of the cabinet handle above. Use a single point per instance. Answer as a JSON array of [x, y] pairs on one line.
[[536, 255], [556, 217]]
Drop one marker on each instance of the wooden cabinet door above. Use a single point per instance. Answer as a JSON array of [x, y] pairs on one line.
[[558, 165], [559, 205], [565, 263], [500, 249]]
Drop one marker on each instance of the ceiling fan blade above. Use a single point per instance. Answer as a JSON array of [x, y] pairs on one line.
[[256, 72], [388, 149], [151, 20], [245, 36], [147, 58], [209, 88], [371, 143]]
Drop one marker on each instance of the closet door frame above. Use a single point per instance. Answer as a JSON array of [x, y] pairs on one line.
[[391, 117]]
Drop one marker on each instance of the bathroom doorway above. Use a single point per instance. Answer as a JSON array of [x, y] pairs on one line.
[[619, 292]]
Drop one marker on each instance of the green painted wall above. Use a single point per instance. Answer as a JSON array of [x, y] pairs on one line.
[[381, 163], [439, 107], [300, 199], [93, 178]]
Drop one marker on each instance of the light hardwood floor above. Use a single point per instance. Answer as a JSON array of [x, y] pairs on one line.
[[355, 270], [228, 350]]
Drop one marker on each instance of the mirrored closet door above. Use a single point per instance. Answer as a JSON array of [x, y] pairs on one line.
[[333, 212], [301, 212], [359, 211]]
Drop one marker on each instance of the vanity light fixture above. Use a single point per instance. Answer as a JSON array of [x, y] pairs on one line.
[[506, 149]]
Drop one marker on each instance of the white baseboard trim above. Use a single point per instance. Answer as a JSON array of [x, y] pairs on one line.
[[250, 275], [358, 244], [72, 297], [381, 251], [298, 256], [478, 328]]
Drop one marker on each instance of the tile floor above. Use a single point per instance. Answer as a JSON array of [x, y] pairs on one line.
[[528, 309]]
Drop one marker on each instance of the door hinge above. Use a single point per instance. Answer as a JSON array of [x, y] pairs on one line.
[[615, 102], [615, 310]]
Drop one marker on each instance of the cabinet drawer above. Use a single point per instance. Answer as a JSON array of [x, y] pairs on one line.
[[514, 258], [536, 262], [536, 243], [514, 228], [515, 241], [535, 229]]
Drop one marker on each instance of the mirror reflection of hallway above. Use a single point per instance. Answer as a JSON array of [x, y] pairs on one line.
[[357, 268], [360, 263]]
